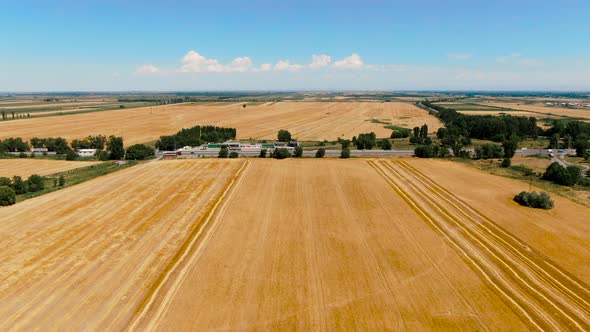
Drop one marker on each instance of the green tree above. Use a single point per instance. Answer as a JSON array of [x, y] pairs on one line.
[[7, 196], [263, 153], [4, 181], [115, 148], [298, 152], [345, 153], [61, 181], [554, 142], [35, 183], [139, 152], [281, 153], [19, 186], [320, 153], [233, 154], [565, 176], [510, 146], [386, 144], [284, 135], [223, 152], [424, 131]]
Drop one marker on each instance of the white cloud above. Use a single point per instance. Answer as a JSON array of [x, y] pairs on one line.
[[352, 62], [285, 65], [147, 70], [459, 56], [194, 62], [263, 67], [319, 61]]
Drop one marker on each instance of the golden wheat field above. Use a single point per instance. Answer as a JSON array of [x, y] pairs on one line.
[[250, 244], [24, 167], [305, 120]]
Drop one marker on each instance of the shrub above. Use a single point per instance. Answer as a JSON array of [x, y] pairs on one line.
[[61, 181], [7, 196], [506, 163], [233, 154], [534, 200], [102, 155], [71, 155], [281, 153], [139, 152], [405, 133], [262, 153], [35, 183], [223, 152], [431, 151], [345, 153], [320, 153], [298, 152], [19, 186]]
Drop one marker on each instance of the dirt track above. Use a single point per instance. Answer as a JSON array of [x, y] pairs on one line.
[[305, 120], [24, 167]]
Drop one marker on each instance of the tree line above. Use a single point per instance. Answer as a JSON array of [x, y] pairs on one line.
[[195, 136]]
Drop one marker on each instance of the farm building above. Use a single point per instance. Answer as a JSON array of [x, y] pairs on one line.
[[86, 152]]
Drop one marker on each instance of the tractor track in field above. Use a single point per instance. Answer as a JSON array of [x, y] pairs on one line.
[[175, 270], [545, 296]]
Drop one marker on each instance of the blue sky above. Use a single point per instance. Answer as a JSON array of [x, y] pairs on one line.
[[284, 45]]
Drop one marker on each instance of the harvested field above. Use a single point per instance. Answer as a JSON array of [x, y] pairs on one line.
[[306, 121], [329, 246], [545, 110], [562, 233], [24, 167], [396, 244], [84, 258]]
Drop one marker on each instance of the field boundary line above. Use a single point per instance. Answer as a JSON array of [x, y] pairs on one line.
[[189, 245], [429, 219]]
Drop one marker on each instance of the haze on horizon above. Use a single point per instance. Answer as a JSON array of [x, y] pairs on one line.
[[295, 45]]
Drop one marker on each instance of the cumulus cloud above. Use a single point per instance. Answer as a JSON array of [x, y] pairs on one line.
[[352, 62], [285, 65], [194, 62], [459, 56], [147, 70], [320, 61]]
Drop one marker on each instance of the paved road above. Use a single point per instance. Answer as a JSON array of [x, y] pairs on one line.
[[353, 153]]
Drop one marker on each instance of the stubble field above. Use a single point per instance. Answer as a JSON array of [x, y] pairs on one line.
[[305, 120], [307, 244], [24, 167]]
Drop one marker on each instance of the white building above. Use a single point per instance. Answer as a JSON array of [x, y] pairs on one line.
[[86, 152]]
